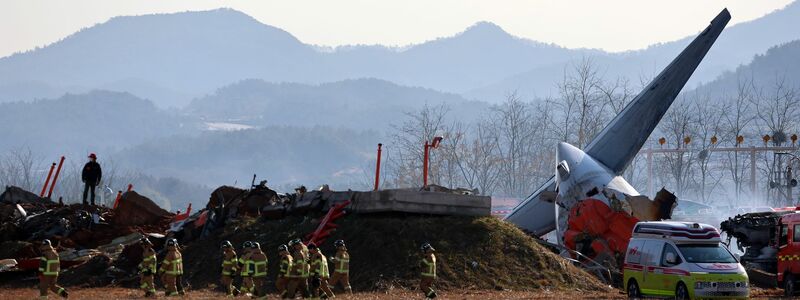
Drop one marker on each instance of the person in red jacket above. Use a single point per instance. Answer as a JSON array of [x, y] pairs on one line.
[[91, 176]]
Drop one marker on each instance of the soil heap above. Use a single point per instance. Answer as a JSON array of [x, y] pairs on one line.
[[472, 252]]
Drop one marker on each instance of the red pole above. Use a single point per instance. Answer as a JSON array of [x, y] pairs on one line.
[[55, 178], [47, 181], [425, 166], [378, 167], [116, 201]]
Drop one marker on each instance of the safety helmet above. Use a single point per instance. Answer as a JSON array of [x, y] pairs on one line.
[[283, 248], [255, 245], [92, 155], [226, 244], [426, 247], [172, 242], [145, 240], [338, 243], [312, 246], [246, 244], [295, 242], [46, 242]]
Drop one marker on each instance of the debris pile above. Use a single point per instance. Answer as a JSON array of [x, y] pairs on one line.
[[16, 195], [98, 247], [93, 239], [137, 210]]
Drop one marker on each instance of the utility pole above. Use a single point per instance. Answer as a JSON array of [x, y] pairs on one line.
[[378, 167]]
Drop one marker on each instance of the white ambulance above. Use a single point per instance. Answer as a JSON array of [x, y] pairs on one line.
[[682, 260]]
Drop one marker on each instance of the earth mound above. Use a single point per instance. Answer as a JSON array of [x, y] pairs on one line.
[[472, 253]]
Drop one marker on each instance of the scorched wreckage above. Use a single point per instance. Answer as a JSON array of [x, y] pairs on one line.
[[589, 205]]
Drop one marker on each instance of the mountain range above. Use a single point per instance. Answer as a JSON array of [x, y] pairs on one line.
[[174, 58]]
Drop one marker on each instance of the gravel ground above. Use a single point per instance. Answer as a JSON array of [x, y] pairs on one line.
[[124, 293]]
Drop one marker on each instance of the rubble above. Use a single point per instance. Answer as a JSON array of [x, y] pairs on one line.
[[239, 202], [16, 249], [93, 273], [135, 209], [14, 195], [98, 247], [8, 264]]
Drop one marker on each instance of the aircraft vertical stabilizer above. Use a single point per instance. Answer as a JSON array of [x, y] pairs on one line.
[[625, 135]]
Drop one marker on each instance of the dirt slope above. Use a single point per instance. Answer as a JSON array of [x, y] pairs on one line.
[[472, 252]]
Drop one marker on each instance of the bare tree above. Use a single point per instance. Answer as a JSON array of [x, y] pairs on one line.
[[514, 127], [582, 102], [19, 167], [449, 165], [408, 140], [709, 125], [617, 94], [677, 125], [777, 107], [737, 117]]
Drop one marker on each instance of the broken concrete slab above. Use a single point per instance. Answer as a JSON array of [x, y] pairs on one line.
[[421, 202]]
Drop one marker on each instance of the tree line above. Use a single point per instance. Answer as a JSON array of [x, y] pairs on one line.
[[510, 151]]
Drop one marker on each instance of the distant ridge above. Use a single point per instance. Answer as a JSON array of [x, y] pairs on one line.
[[173, 58]]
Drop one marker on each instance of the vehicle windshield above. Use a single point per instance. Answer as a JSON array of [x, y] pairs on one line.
[[706, 253]]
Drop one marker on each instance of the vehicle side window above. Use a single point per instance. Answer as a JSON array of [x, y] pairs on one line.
[[634, 254], [783, 239], [669, 249], [796, 233], [652, 252]]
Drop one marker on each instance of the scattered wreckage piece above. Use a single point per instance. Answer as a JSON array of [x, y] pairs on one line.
[[82, 235], [135, 209], [15, 195], [8, 265]]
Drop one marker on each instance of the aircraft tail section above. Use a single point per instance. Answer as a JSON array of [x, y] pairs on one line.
[[617, 145], [621, 140]]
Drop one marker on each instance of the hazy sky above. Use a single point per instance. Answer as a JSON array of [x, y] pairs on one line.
[[611, 25]]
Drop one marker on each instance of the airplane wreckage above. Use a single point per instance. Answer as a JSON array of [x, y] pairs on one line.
[[589, 205]]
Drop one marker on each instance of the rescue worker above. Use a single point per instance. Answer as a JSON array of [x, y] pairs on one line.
[[341, 267], [229, 266], [147, 268], [428, 273], [179, 278], [285, 266], [259, 271], [49, 266], [171, 268], [244, 266], [319, 274], [91, 176], [300, 270]]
